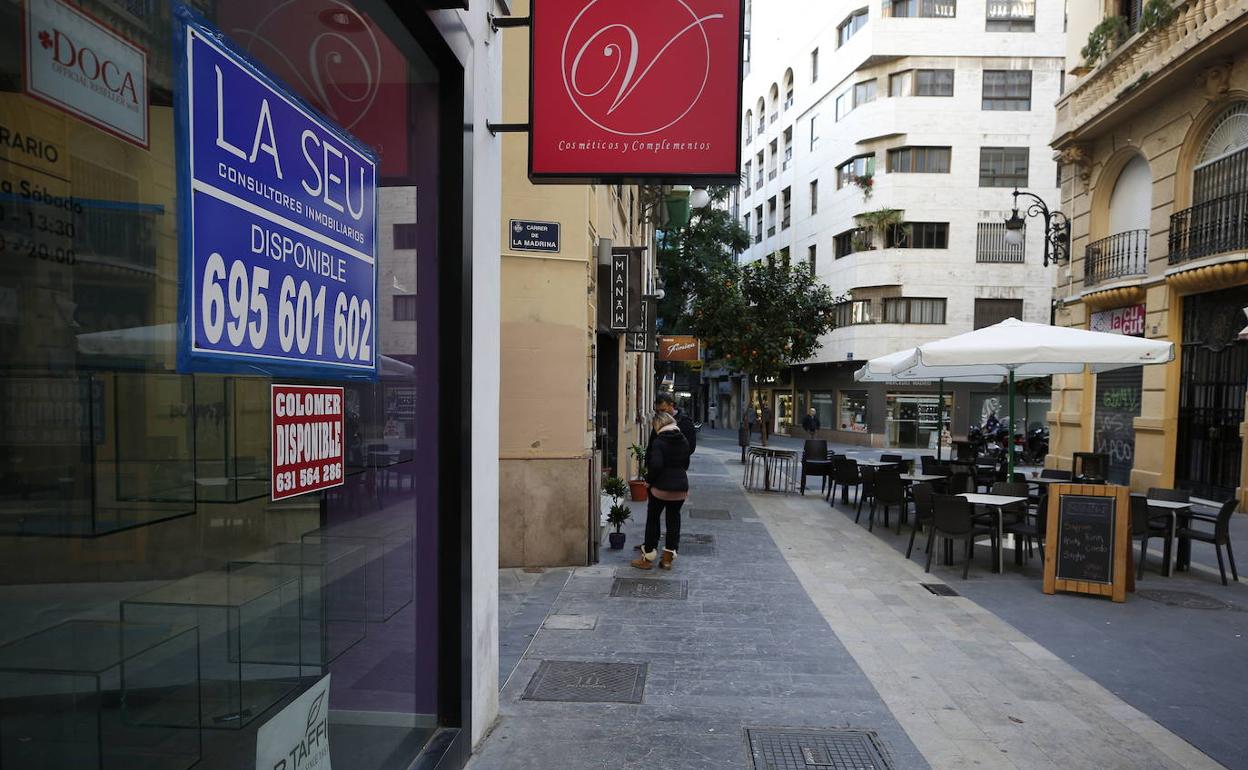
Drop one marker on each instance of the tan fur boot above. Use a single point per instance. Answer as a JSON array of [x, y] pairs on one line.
[[669, 556], [646, 560]]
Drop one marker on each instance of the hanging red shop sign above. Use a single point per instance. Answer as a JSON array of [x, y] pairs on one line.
[[635, 90], [680, 348], [307, 439]]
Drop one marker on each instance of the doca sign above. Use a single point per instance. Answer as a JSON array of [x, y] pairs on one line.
[[627, 90]]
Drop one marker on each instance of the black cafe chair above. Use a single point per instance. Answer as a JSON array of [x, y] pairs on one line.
[[1220, 536], [868, 489], [1030, 531], [952, 520], [889, 493], [815, 462], [923, 495], [845, 474], [1145, 525]]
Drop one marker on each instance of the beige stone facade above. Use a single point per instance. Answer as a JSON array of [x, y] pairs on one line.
[[553, 402], [1153, 142]]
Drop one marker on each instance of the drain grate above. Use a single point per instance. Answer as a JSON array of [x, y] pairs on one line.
[[697, 549], [579, 682], [940, 589], [797, 749], [1187, 600], [710, 513], [647, 588], [700, 538]]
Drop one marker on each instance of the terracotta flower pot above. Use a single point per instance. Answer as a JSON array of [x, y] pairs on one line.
[[638, 490]]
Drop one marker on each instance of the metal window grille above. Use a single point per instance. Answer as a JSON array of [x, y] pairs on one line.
[[991, 246]]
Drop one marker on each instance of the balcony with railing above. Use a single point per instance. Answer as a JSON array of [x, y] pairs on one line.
[[1218, 226], [1118, 256]]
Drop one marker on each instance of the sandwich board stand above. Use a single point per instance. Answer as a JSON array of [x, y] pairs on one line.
[[1087, 547]]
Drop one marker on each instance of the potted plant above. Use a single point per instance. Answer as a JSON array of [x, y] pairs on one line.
[[615, 488], [865, 183], [638, 489], [877, 224], [1104, 39]]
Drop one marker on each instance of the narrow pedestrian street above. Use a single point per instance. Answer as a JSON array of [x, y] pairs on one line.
[[792, 616]]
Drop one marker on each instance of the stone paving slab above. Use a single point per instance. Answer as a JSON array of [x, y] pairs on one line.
[[746, 647], [967, 687]]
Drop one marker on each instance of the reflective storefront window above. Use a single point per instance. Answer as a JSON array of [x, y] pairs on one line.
[[853, 411], [143, 561]]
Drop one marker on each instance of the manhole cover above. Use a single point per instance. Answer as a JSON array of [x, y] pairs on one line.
[[646, 588], [562, 680], [1185, 599], [940, 589], [697, 549], [796, 749], [710, 513], [697, 537]]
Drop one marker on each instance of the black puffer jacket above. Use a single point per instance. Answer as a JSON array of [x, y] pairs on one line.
[[686, 426], [667, 462]]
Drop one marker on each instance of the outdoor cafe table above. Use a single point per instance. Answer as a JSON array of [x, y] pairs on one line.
[[919, 478], [996, 503], [879, 463], [769, 453]]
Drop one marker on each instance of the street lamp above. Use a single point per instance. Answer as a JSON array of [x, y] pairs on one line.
[[1056, 228]]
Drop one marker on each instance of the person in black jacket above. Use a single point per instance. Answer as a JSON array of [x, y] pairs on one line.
[[667, 465], [811, 422], [665, 402]]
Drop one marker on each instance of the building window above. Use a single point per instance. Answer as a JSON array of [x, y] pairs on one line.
[[934, 9], [991, 246], [919, 160], [858, 166], [914, 310], [921, 83], [918, 235], [405, 307], [747, 222], [405, 236], [989, 312], [844, 243], [758, 179], [775, 154], [749, 126], [844, 105], [771, 216], [786, 200], [814, 65], [810, 258], [814, 131], [1003, 166], [788, 148], [853, 411], [814, 197], [1008, 90], [758, 224], [901, 83], [852, 313], [1011, 16], [854, 22], [864, 92], [748, 175]]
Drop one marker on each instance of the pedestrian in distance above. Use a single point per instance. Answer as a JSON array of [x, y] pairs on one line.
[[811, 423], [748, 417], [667, 466], [666, 402], [711, 413], [764, 422]]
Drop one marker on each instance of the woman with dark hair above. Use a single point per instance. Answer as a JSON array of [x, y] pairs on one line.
[[667, 465]]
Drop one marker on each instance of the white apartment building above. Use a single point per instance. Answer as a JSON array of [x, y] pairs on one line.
[[936, 108]]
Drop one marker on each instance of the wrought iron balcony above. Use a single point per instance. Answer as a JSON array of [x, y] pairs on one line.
[[1214, 227], [1117, 256]]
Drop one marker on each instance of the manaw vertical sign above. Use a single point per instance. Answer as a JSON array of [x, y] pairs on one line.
[[627, 90], [279, 244]]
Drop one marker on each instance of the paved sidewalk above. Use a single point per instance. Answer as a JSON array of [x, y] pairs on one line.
[[802, 618], [746, 648]]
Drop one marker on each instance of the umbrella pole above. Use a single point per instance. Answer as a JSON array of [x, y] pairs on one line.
[[940, 426], [1009, 440]]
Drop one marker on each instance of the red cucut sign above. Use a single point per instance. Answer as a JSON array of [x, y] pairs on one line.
[[643, 90], [307, 439]]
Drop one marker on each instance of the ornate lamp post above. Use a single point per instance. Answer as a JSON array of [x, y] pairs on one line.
[[1056, 228]]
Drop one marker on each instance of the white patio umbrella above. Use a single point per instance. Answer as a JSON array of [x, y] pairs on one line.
[[1015, 348], [882, 369]]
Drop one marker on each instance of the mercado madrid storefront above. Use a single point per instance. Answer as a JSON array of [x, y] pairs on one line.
[[164, 602]]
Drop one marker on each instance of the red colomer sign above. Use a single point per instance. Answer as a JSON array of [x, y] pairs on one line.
[[307, 439], [639, 90]]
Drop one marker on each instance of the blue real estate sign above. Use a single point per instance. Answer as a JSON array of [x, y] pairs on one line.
[[279, 233]]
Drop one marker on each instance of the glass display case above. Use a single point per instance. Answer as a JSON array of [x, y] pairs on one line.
[[389, 564], [249, 631], [101, 695]]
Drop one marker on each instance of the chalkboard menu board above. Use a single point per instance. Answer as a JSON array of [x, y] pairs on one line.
[[1088, 541], [1085, 548]]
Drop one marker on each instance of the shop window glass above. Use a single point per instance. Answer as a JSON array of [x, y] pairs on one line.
[[853, 411], [139, 495], [824, 404]]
